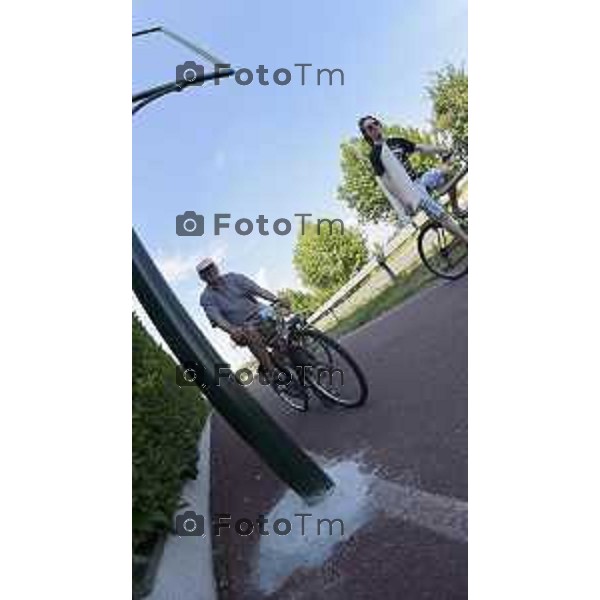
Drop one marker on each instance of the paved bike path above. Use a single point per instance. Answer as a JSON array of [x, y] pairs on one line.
[[411, 435]]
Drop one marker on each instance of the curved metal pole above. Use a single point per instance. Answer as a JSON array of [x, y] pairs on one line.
[[179, 85], [150, 99], [289, 462]]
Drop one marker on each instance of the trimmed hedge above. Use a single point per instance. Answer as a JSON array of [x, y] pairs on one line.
[[167, 421]]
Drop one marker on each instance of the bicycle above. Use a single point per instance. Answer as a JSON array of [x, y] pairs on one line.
[[443, 253], [313, 360]]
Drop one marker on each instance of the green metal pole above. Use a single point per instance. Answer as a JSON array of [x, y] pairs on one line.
[[289, 462]]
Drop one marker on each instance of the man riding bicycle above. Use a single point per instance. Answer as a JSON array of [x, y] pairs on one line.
[[230, 301], [403, 188]]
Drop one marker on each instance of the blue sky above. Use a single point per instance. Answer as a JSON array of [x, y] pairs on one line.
[[272, 150]]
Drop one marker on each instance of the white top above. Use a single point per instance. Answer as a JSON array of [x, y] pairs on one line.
[[398, 187]]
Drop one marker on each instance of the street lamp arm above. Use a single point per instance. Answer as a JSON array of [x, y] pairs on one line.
[[144, 98], [181, 40]]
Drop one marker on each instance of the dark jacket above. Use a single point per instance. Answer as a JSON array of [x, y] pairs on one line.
[[401, 148]]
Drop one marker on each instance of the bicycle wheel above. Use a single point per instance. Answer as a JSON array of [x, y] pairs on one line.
[[329, 369], [442, 252]]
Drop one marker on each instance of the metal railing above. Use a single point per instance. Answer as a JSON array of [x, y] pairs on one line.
[[406, 236]]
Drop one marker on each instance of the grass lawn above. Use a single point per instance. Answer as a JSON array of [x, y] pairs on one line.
[[408, 284]]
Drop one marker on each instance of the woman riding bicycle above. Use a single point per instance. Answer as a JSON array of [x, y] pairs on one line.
[[406, 192]]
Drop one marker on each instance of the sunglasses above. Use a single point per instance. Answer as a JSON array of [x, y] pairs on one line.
[[372, 125]]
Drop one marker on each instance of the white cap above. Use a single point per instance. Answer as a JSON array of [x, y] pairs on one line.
[[204, 264]]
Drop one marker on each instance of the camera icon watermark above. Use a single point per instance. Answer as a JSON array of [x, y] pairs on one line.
[[189, 523], [189, 223], [191, 72], [189, 373]]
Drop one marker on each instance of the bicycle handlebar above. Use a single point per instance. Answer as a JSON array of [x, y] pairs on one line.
[[452, 182]]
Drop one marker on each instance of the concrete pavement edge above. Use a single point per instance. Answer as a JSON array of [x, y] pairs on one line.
[[186, 568]]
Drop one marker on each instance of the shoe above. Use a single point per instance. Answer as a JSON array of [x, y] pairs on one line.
[[293, 396], [293, 393], [295, 388]]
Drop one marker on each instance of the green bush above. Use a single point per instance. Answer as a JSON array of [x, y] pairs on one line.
[[167, 421]]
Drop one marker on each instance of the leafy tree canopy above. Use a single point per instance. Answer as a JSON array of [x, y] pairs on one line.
[[326, 257], [449, 93]]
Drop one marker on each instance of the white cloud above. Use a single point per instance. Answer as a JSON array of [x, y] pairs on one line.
[[276, 280], [177, 268]]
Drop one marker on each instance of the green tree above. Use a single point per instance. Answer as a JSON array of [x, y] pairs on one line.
[[301, 302], [359, 190], [326, 257], [449, 92]]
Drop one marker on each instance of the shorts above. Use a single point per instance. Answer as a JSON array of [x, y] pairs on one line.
[[434, 178], [263, 322], [430, 180]]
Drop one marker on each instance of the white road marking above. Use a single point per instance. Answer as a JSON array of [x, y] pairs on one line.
[[443, 515]]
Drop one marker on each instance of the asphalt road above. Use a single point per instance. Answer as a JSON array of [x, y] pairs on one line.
[[411, 432]]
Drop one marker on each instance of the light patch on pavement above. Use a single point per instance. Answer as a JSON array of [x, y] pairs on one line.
[[359, 497], [279, 556]]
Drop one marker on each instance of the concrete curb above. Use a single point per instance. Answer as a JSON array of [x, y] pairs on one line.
[[186, 569]]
